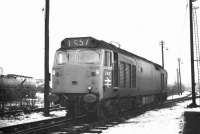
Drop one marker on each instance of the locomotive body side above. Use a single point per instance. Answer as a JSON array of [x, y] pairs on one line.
[[137, 77], [149, 79]]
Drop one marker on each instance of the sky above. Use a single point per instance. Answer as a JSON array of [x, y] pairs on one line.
[[138, 26]]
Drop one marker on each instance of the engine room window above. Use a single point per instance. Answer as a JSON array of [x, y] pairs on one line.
[[128, 75], [125, 75], [61, 58], [122, 74], [133, 76], [108, 59]]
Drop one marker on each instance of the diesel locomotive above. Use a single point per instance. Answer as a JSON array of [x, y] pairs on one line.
[[100, 79]]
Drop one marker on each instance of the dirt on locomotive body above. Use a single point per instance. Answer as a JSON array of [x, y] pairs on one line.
[[97, 78]]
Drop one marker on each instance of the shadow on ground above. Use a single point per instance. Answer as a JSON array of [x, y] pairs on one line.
[[192, 123]]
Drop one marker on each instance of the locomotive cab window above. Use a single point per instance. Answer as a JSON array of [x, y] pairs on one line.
[[71, 56], [80, 56], [89, 57], [108, 58]]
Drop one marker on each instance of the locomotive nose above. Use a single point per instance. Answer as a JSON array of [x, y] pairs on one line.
[[76, 79]]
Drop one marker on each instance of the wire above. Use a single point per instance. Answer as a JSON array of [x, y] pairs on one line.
[[185, 15]]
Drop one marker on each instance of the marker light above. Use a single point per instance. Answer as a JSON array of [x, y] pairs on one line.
[[89, 88], [53, 72], [97, 72]]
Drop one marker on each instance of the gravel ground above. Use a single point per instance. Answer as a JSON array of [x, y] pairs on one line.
[[25, 118], [164, 121]]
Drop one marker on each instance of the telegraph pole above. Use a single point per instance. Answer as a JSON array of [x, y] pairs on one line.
[[193, 104], [179, 74], [46, 61], [162, 46], [178, 80]]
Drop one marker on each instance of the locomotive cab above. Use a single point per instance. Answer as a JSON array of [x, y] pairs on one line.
[[78, 72]]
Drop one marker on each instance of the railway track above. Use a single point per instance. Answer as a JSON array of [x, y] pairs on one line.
[[81, 124], [29, 127]]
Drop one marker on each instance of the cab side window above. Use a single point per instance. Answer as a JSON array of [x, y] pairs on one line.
[[108, 59]]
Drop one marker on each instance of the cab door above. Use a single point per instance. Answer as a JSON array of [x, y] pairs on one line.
[[108, 60], [107, 73]]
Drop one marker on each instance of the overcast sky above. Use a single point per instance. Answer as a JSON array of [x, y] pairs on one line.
[[138, 26]]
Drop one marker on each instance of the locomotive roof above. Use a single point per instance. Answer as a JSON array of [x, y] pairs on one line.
[[90, 42]]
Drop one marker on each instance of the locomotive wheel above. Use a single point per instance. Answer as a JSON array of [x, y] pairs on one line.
[[109, 109], [92, 112], [73, 108], [71, 113]]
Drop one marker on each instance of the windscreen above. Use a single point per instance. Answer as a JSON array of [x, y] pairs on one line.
[[81, 56]]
